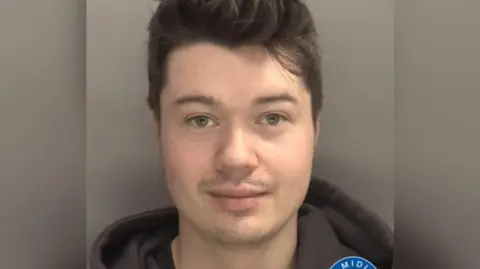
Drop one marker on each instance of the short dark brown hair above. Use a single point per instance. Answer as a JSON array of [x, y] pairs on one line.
[[284, 27]]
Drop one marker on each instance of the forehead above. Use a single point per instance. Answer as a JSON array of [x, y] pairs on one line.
[[238, 75]]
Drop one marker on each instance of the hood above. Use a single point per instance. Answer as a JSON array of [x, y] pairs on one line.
[[331, 226]]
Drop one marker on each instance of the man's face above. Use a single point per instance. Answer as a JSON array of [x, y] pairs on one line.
[[237, 141]]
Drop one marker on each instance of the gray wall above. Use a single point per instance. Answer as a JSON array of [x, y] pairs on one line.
[[437, 131], [122, 153], [78, 152], [42, 134], [356, 141]]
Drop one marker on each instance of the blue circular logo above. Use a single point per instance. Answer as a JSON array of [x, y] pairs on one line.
[[353, 262]]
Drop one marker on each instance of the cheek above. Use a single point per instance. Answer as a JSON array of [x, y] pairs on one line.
[[293, 155], [290, 162], [185, 163]]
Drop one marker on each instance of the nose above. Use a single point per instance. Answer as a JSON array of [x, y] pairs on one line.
[[236, 154]]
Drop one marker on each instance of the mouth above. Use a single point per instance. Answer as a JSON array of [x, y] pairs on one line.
[[237, 193], [237, 199]]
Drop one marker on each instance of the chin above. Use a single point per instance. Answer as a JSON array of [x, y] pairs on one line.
[[241, 237], [244, 231]]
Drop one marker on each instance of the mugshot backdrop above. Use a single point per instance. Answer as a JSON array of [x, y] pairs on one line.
[[356, 141], [42, 134]]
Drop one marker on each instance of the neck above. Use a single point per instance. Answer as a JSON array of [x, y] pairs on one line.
[[190, 250]]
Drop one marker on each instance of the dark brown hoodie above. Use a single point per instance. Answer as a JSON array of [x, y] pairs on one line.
[[331, 226]]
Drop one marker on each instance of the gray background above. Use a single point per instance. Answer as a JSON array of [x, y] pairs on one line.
[[437, 131], [42, 134], [421, 87]]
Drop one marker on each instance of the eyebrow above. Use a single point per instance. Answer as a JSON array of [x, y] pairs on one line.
[[211, 101], [200, 99], [276, 98]]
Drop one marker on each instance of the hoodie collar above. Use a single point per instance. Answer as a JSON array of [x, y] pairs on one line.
[[356, 226], [331, 226]]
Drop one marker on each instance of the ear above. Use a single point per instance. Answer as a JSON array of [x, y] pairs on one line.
[[317, 129], [156, 124]]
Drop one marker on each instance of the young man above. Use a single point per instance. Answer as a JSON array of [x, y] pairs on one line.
[[236, 92]]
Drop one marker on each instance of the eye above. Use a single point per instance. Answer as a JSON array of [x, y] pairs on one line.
[[201, 121], [272, 119]]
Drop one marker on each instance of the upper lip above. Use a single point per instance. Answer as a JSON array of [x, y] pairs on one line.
[[236, 192]]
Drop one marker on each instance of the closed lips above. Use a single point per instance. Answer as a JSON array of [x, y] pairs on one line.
[[237, 193]]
